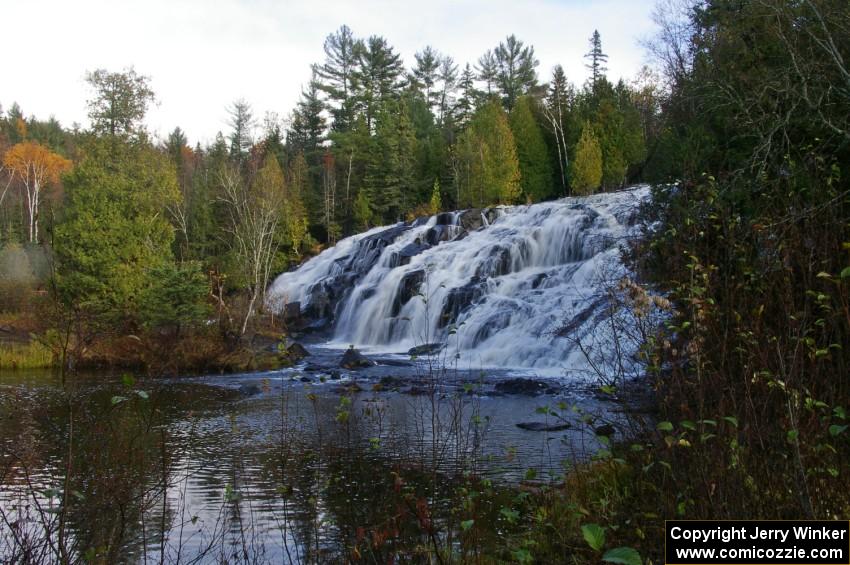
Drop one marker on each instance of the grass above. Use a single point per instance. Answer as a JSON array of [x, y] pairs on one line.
[[32, 355]]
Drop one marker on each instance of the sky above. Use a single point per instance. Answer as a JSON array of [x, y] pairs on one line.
[[201, 55]]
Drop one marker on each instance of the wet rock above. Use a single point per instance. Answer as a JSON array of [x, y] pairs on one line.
[[306, 379], [426, 349], [544, 427], [470, 220], [395, 363], [297, 352], [417, 391], [538, 280], [604, 430], [250, 390], [335, 375], [524, 387], [292, 311], [407, 252], [353, 360], [390, 382], [407, 288], [458, 300]]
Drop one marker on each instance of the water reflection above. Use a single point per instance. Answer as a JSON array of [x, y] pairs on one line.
[[257, 469]]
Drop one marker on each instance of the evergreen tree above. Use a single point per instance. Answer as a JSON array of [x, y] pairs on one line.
[[436, 202], [377, 75], [425, 73], [120, 102], [336, 76], [488, 71], [557, 109], [468, 94], [242, 124], [516, 73], [586, 172], [447, 75], [488, 168], [362, 211], [534, 164], [114, 233], [597, 59]]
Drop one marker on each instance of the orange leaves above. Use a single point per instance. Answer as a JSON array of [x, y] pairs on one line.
[[36, 163]]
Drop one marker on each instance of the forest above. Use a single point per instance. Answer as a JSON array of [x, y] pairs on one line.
[[122, 250]]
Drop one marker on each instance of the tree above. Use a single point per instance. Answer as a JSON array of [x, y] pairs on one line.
[[587, 164], [597, 59], [436, 202], [242, 124], [488, 70], [556, 109], [37, 167], [336, 76], [468, 95], [377, 75], [425, 72], [254, 214], [362, 211], [487, 168], [515, 65], [447, 75], [175, 297], [120, 102], [114, 232], [532, 153]]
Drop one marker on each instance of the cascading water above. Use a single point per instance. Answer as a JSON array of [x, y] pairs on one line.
[[493, 285]]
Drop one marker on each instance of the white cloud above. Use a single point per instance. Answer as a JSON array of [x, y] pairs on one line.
[[203, 54]]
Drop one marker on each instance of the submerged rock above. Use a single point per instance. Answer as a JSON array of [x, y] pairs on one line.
[[353, 360], [426, 349], [525, 387], [544, 427]]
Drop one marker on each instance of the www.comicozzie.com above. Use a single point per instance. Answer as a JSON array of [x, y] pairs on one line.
[[744, 542]]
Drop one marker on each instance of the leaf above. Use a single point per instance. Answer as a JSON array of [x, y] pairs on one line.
[[732, 420], [845, 274], [793, 435], [466, 524], [118, 399], [665, 426], [142, 394], [128, 380], [624, 555], [687, 424], [594, 535], [835, 430]]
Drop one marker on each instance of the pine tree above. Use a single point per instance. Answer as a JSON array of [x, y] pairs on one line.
[[515, 74], [425, 73], [597, 58], [534, 164], [557, 108], [362, 211], [336, 76], [488, 70], [242, 124], [466, 103], [377, 75], [587, 166]]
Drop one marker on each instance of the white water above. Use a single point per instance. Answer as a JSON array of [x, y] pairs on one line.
[[495, 295]]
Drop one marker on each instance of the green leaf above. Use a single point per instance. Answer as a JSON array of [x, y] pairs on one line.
[[142, 394], [665, 426], [594, 535], [793, 435], [835, 430], [128, 380], [687, 424], [466, 524], [118, 399], [732, 420], [845, 274], [624, 555]]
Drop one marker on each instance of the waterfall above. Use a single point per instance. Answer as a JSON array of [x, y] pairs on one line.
[[490, 286]]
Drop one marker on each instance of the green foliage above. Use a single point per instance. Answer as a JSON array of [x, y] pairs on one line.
[[586, 171], [594, 535], [436, 203], [114, 232], [534, 162], [488, 160], [362, 211], [175, 297]]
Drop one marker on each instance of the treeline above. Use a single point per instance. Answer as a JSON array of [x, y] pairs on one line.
[[133, 233]]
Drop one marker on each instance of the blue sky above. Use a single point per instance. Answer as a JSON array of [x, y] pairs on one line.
[[203, 54]]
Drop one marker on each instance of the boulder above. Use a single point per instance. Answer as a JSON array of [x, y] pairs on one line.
[[426, 349], [297, 352], [292, 311], [544, 427], [524, 387], [353, 360]]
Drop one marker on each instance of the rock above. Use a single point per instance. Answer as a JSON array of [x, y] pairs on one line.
[[604, 430], [297, 352], [395, 363], [417, 391], [459, 299], [335, 375], [306, 379], [525, 387], [543, 426], [389, 382], [353, 360], [407, 288], [292, 311], [426, 349], [470, 220], [249, 390]]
